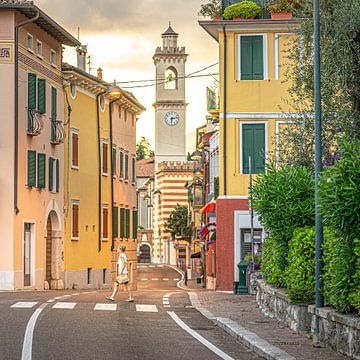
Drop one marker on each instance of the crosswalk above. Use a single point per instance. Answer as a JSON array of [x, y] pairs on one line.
[[158, 279]]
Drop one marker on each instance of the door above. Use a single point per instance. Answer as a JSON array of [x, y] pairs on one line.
[[27, 254], [144, 256], [48, 250]]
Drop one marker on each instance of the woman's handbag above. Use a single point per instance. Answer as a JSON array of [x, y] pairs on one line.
[[122, 279]]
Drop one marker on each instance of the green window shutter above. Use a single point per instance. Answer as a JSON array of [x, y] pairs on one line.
[[126, 166], [42, 96], [114, 160], [122, 222], [257, 54], [121, 172], [133, 170], [51, 173], [115, 222], [127, 223], [253, 145], [246, 57], [31, 91], [135, 224], [31, 168], [53, 104], [41, 171], [57, 176]]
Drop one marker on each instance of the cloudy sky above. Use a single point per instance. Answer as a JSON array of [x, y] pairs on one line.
[[122, 36]]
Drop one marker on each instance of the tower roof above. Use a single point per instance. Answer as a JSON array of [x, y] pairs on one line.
[[169, 31]]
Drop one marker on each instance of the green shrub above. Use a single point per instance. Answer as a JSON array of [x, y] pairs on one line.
[[284, 199], [299, 275], [276, 6], [245, 9], [339, 190]]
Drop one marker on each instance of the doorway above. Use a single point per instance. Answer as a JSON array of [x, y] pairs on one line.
[[27, 254], [48, 250], [145, 254]]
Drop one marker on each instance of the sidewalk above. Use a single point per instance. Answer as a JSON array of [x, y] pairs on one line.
[[240, 316]]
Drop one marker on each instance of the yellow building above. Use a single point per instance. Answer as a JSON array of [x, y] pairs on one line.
[[99, 178], [253, 107]]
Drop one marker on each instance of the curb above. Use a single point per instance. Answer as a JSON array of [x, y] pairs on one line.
[[248, 338]]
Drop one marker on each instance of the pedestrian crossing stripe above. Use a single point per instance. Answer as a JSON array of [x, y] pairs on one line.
[[105, 307], [24, 304], [64, 305], [146, 308]]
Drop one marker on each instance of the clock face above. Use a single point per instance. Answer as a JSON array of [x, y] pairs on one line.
[[172, 118]]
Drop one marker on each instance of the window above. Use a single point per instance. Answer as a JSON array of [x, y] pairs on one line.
[[127, 223], [121, 161], [114, 160], [53, 113], [30, 42], [133, 169], [105, 222], [41, 96], [170, 79], [31, 91], [134, 223], [104, 158], [39, 48], [115, 222], [31, 168], [126, 166], [75, 220], [122, 222], [252, 57], [41, 171], [75, 149], [54, 180], [253, 148], [53, 57]]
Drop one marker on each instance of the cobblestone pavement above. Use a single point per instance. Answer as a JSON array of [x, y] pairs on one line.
[[243, 309]]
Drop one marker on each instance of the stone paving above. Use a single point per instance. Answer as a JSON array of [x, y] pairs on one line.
[[243, 310]]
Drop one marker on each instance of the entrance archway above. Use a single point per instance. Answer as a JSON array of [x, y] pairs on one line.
[[144, 254]]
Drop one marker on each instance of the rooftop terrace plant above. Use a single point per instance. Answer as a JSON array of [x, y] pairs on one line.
[[245, 10]]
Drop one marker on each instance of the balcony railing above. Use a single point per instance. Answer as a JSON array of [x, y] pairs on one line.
[[35, 123], [57, 132]]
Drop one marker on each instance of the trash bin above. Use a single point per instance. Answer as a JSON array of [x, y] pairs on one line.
[[198, 280]]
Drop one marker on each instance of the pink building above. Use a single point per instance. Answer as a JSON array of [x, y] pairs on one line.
[[31, 147]]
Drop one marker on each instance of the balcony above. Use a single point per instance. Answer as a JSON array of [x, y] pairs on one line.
[[35, 123], [57, 132]]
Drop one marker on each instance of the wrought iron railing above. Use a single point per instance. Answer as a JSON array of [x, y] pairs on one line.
[[35, 123], [57, 132]]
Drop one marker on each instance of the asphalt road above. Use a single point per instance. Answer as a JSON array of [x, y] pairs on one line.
[[160, 324]]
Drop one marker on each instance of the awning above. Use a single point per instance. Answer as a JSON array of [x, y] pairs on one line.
[[209, 207], [196, 255]]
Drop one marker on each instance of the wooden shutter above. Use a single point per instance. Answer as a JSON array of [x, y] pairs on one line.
[[53, 104], [257, 55], [51, 173], [75, 149], [127, 223], [115, 222], [122, 222], [31, 168], [105, 158], [133, 170], [105, 223], [42, 96], [246, 57], [75, 220], [57, 176], [114, 161], [253, 145], [126, 166], [41, 171], [31, 91], [121, 164], [135, 224]]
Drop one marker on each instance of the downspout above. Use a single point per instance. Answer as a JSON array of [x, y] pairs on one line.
[[99, 165], [225, 108], [16, 138]]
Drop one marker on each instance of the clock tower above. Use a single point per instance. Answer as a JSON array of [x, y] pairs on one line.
[[170, 103]]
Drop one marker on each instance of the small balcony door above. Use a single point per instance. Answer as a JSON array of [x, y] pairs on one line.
[[27, 254]]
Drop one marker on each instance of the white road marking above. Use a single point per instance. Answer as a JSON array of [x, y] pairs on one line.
[[198, 337], [24, 304], [160, 265], [64, 305], [155, 279], [165, 279], [51, 301], [106, 307], [66, 295], [28, 338], [167, 306], [176, 279], [152, 266], [144, 279], [146, 308]]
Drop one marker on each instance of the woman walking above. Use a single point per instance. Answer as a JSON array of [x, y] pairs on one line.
[[122, 275]]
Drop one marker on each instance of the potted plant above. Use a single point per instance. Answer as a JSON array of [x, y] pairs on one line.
[[282, 9], [243, 10], [212, 9]]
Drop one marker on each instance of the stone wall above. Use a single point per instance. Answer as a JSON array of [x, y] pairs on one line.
[[275, 304], [341, 332]]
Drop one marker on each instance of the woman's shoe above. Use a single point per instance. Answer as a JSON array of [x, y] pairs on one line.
[[109, 298], [129, 300]]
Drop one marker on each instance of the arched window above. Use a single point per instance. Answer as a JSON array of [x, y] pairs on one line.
[[170, 79]]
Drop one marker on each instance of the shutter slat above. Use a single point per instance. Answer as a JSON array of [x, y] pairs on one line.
[[31, 91], [42, 96], [31, 168]]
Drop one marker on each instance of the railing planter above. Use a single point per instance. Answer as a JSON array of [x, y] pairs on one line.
[[57, 132], [281, 15], [35, 123]]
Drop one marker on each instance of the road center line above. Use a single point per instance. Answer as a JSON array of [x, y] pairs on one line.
[[198, 337], [29, 332]]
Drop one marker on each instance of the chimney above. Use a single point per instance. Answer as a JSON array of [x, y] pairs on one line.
[[100, 73], [81, 57]]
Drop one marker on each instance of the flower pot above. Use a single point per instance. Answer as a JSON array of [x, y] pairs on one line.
[[281, 15], [216, 18], [241, 18]]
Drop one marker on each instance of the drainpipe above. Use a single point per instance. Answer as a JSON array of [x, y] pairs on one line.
[[16, 138], [99, 164], [225, 107]]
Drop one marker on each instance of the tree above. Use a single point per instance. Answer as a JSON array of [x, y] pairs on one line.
[[340, 77], [177, 224], [143, 150]]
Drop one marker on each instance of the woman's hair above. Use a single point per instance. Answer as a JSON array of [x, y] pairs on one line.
[[122, 248]]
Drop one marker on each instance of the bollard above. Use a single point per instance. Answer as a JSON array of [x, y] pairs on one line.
[[242, 288]]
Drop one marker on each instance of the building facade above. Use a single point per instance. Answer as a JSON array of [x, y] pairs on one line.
[[31, 147], [250, 119]]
